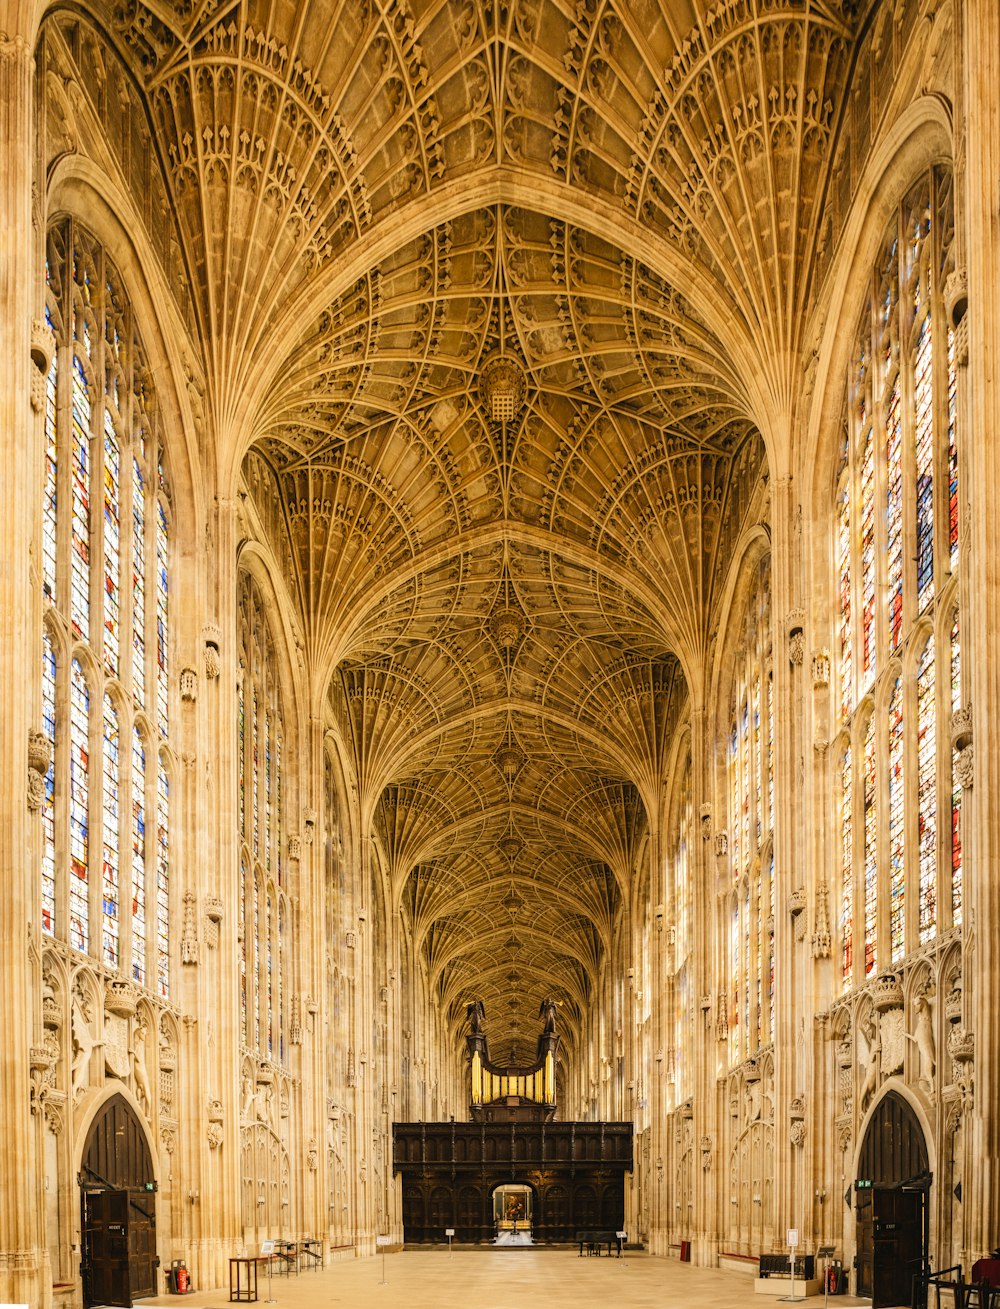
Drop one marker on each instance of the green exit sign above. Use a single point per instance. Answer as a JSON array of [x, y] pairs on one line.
[[863, 1184], [149, 1186]]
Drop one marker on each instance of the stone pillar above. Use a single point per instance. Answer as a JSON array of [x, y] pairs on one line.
[[980, 598], [704, 1232], [210, 1126], [308, 1027], [792, 995], [20, 1256]]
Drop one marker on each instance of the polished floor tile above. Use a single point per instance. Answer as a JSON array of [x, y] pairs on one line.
[[485, 1278]]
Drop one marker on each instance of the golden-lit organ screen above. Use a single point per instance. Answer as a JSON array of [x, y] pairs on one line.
[[537, 1085]]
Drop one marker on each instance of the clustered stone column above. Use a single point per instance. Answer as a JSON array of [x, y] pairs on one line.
[[20, 1255], [981, 596]]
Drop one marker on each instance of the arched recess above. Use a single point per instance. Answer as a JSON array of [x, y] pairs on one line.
[[892, 1194], [118, 1205]]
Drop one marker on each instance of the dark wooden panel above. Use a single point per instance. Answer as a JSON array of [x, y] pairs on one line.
[[450, 1170]]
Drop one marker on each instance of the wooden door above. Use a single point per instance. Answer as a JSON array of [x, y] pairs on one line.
[[898, 1222], [116, 1161], [891, 1197], [105, 1244]]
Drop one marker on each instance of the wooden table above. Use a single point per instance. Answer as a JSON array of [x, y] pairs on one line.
[[243, 1277]]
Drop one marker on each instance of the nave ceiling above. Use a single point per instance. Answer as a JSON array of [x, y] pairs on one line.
[[371, 202]]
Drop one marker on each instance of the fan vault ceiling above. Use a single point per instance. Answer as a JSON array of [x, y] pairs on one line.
[[372, 200]]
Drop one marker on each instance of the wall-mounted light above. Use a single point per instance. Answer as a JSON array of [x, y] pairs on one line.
[[193, 1197]]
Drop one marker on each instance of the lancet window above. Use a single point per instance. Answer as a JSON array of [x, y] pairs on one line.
[[105, 527], [263, 896], [895, 553], [750, 926]]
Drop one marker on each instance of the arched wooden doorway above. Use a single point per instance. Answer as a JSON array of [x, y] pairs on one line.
[[891, 1193], [118, 1209]]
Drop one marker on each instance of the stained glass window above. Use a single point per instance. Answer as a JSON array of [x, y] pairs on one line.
[[80, 524], [138, 584], [244, 874], [98, 436], [845, 621], [110, 842], [79, 808], [162, 618], [871, 845], [112, 544], [260, 781], [901, 406], [162, 880], [927, 792], [49, 547], [868, 658], [956, 786], [924, 466], [49, 797], [751, 796], [897, 825], [894, 517], [952, 454], [138, 858], [846, 870]]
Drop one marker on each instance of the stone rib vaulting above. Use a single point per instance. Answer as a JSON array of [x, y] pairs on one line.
[[501, 505]]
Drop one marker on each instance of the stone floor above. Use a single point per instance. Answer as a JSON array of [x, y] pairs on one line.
[[482, 1278]]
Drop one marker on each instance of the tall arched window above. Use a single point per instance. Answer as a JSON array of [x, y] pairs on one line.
[[104, 467], [896, 536], [751, 792], [263, 896]]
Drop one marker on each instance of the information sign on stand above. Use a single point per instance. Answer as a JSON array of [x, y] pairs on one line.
[[381, 1242], [267, 1252], [793, 1240], [449, 1233]]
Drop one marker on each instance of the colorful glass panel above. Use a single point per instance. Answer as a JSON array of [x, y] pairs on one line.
[[927, 793], [49, 502], [138, 858], [897, 827], [845, 618], [923, 396], [138, 584], [894, 516], [112, 544], [952, 453], [80, 517], [871, 845], [956, 786], [110, 895], [79, 808], [846, 871], [162, 881], [868, 657], [162, 618], [49, 796]]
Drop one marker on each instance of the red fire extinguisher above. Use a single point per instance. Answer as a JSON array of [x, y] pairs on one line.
[[183, 1280]]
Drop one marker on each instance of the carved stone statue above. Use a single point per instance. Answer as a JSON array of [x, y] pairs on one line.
[[870, 1084], [83, 1042], [139, 1071], [547, 1011], [475, 1012], [923, 1039]]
